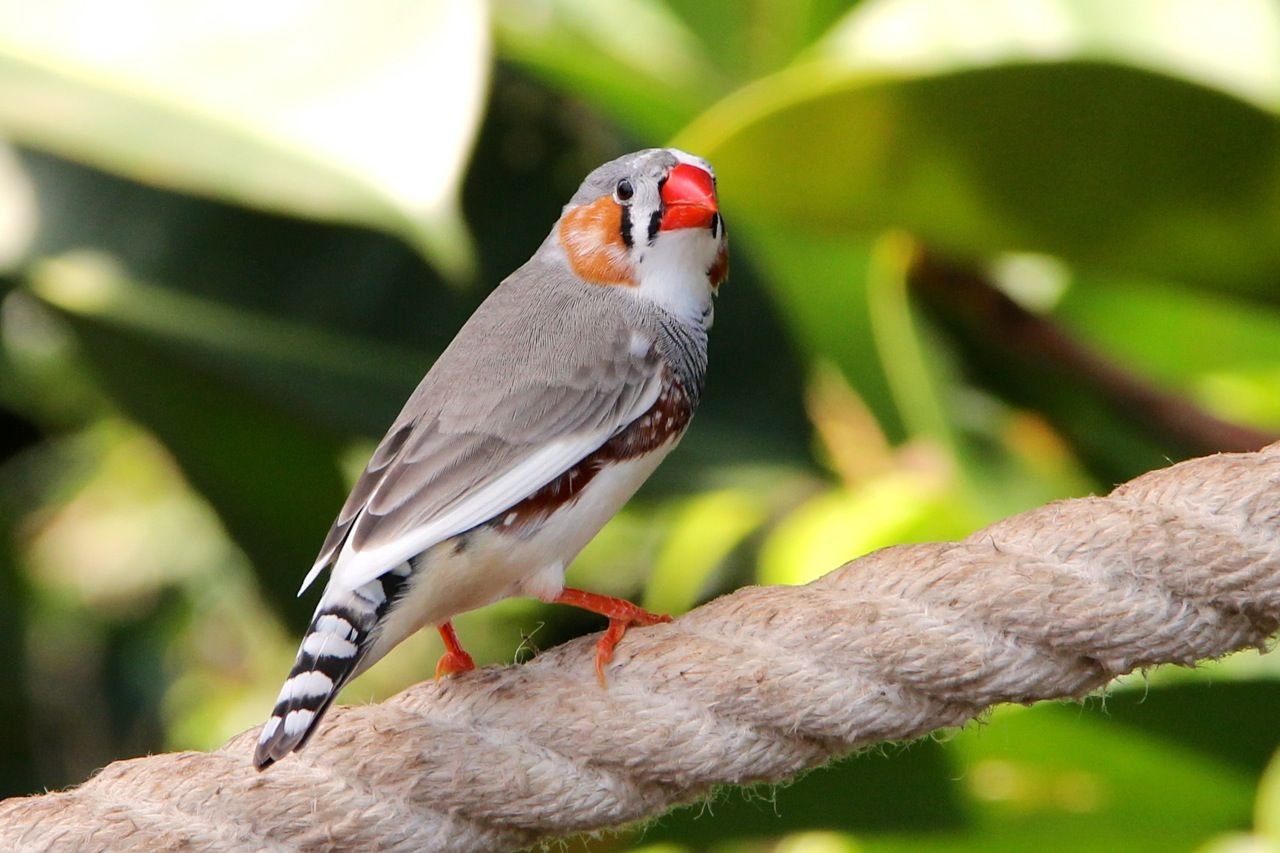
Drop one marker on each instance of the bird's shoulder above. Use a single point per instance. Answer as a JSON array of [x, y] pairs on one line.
[[543, 328]]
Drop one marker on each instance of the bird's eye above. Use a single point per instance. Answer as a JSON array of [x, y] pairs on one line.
[[624, 190]]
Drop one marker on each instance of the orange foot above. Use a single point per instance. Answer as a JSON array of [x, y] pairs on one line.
[[622, 614], [454, 660]]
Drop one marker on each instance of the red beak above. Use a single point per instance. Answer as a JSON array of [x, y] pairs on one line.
[[689, 198]]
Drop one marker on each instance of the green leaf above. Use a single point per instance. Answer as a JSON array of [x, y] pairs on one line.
[[1268, 809], [368, 119], [634, 60], [819, 282], [18, 213], [1107, 166], [1061, 778], [1228, 46], [1228, 721], [271, 473], [18, 773], [841, 525], [913, 379], [749, 38], [1221, 352], [703, 533], [900, 788], [321, 377]]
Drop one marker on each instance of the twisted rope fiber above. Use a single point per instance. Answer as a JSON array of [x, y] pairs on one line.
[[1173, 567]]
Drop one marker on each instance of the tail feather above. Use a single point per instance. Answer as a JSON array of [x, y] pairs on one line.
[[333, 651]]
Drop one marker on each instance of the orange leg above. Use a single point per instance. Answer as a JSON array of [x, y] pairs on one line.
[[622, 614], [454, 659]]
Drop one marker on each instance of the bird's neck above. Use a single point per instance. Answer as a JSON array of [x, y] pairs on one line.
[[673, 275]]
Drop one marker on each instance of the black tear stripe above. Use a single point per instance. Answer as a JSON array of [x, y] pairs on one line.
[[626, 226], [655, 221]]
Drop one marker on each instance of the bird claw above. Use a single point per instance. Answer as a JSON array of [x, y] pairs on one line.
[[622, 615], [455, 659], [451, 663]]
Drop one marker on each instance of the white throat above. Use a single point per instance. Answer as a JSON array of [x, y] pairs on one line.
[[672, 273]]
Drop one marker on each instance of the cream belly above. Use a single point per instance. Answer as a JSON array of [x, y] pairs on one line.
[[492, 565]]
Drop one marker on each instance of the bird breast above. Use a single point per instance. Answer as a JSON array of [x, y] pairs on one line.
[[654, 433]]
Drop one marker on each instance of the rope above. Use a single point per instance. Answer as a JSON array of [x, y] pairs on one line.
[[1173, 567]]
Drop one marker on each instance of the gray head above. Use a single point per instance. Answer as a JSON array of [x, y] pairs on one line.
[[649, 222]]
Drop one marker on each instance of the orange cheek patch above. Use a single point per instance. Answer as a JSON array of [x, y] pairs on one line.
[[592, 238]]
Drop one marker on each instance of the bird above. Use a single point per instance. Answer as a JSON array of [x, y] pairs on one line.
[[555, 401]]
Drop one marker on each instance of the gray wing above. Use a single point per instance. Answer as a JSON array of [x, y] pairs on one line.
[[527, 389]]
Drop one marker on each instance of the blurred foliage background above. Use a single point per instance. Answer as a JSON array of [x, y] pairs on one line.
[[986, 254]]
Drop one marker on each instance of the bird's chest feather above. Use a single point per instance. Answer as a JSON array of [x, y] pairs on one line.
[[653, 434]]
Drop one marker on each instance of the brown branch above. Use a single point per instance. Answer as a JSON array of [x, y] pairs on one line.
[[989, 316]]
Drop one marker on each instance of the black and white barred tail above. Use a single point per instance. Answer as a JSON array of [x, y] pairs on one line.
[[341, 633]]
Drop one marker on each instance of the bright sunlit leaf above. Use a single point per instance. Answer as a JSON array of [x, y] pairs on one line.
[[1234, 46], [842, 525], [368, 119], [128, 529], [912, 380], [1268, 805], [705, 530], [818, 842], [18, 214]]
